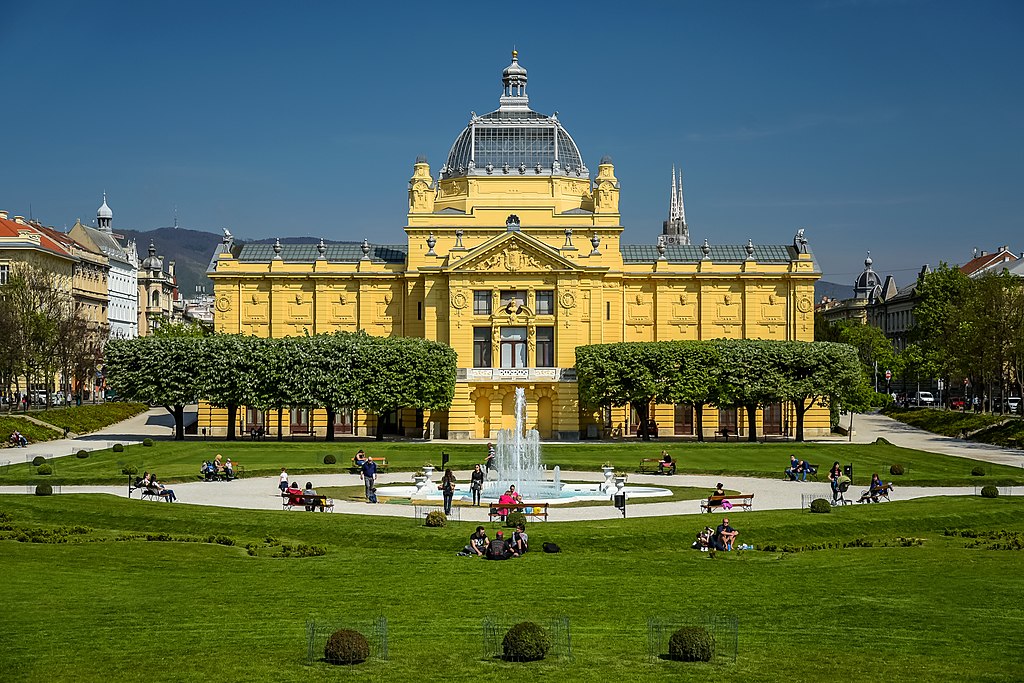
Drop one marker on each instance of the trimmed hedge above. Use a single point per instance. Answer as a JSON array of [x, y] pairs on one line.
[[514, 519], [82, 455], [692, 644], [978, 471], [44, 469], [526, 642], [346, 646], [820, 505], [44, 490], [38, 460], [118, 448], [436, 519], [329, 459], [897, 470], [989, 492], [129, 469], [147, 442]]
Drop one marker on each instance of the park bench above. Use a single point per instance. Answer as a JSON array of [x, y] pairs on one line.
[[302, 431], [741, 500], [877, 497], [382, 465], [652, 465], [535, 510], [726, 433], [303, 502]]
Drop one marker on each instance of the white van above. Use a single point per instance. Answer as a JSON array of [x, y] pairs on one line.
[[924, 398]]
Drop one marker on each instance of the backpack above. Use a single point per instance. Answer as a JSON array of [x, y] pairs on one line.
[[551, 548]]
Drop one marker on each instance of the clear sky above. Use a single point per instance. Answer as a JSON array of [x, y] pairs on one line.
[[889, 125]]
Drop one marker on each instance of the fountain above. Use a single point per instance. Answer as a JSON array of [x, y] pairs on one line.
[[517, 459]]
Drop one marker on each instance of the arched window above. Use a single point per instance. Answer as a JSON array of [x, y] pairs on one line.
[[156, 299]]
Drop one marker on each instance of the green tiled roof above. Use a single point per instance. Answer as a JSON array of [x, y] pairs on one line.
[[720, 253], [307, 253]]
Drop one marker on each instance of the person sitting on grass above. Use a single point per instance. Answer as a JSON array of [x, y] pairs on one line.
[[477, 543], [724, 536], [703, 541], [520, 541], [499, 548], [666, 466]]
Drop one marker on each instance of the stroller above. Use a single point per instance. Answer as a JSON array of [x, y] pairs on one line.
[[842, 486]]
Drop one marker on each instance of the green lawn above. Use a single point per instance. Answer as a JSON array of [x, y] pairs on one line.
[[88, 418], [94, 609], [179, 461], [33, 432]]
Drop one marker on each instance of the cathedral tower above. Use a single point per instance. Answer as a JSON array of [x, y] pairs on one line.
[[674, 230]]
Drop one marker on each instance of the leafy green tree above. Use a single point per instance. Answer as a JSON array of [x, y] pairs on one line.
[[162, 371], [873, 348], [816, 373], [693, 377], [942, 326], [229, 373], [749, 376]]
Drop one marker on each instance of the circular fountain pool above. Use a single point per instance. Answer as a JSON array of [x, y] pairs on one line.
[[569, 492]]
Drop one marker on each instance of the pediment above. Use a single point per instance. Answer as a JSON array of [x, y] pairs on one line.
[[512, 252]]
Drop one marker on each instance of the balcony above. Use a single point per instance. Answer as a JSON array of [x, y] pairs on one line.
[[516, 375]]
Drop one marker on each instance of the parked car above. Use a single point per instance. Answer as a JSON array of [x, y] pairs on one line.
[[924, 398], [957, 403]]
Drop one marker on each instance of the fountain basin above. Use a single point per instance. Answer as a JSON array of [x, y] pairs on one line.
[[570, 492]]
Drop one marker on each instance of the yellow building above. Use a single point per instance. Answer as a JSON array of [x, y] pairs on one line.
[[514, 257]]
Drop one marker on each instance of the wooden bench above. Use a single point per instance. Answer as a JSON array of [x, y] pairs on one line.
[[302, 431], [742, 500], [653, 465], [303, 502], [876, 497], [535, 510], [382, 465]]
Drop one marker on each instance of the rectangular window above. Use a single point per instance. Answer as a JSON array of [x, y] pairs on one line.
[[545, 347], [608, 310], [545, 303], [5, 274], [419, 310], [481, 303], [513, 347], [481, 347]]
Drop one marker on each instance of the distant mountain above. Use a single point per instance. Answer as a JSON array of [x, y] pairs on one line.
[[191, 251], [832, 290]]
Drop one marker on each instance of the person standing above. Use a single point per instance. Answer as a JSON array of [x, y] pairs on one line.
[[448, 489], [489, 461], [282, 483], [369, 476], [476, 484]]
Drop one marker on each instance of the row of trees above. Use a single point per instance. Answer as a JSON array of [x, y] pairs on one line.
[[329, 371], [724, 373], [44, 335], [968, 332]]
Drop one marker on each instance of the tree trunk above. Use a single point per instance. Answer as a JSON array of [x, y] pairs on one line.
[[232, 418], [698, 414], [280, 436], [751, 423], [179, 423], [644, 412], [801, 408], [329, 436], [379, 431]]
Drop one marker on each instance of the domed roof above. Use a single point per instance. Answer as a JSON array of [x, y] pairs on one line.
[[104, 210], [152, 262], [514, 139]]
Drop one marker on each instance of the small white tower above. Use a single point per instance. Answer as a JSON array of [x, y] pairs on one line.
[[104, 215]]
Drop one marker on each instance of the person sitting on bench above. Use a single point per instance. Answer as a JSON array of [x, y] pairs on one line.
[[229, 469], [665, 465], [161, 490], [714, 499], [724, 536], [794, 468], [293, 493], [310, 495], [876, 489], [359, 460]]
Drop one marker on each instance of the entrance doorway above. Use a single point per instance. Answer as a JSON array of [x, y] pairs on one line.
[[684, 419], [773, 419]]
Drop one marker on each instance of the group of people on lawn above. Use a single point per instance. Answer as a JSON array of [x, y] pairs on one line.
[[218, 470], [721, 538], [18, 439], [498, 549]]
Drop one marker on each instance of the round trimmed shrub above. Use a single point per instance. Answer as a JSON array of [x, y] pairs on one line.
[[346, 646], [526, 642], [329, 459], [897, 470], [44, 490], [978, 471], [45, 468], [118, 448], [820, 505], [38, 460], [147, 442], [514, 519], [82, 455], [691, 644], [989, 491], [436, 518], [129, 469]]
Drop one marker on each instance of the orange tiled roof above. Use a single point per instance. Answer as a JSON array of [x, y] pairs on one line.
[[980, 263], [47, 241]]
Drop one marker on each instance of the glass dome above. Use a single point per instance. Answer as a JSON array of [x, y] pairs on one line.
[[514, 139]]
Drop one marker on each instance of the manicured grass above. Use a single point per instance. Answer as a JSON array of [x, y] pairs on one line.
[[1000, 430], [88, 418], [180, 461], [938, 611], [33, 432]]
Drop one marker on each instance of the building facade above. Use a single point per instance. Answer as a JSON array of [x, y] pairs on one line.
[[158, 293], [514, 257]]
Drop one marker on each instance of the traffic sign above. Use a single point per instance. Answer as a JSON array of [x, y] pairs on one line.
[[888, 374]]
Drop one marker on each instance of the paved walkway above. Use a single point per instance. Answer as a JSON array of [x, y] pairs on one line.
[[770, 494]]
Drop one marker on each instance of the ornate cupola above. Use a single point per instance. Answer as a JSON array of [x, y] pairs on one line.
[[513, 97], [104, 215]]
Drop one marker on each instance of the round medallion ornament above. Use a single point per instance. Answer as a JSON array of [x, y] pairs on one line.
[[567, 299], [223, 303], [459, 300], [804, 305]]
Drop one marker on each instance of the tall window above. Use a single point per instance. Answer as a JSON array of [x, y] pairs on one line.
[[481, 303], [513, 347], [545, 347], [481, 347], [545, 303], [5, 274]]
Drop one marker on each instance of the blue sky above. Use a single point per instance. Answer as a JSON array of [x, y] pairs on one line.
[[889, 125]]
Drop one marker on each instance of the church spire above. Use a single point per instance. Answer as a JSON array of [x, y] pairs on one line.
[[674, 230]]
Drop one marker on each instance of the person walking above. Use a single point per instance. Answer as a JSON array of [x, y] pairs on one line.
[[282, 483], [369, 476], [448, 489], [476, 485]]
